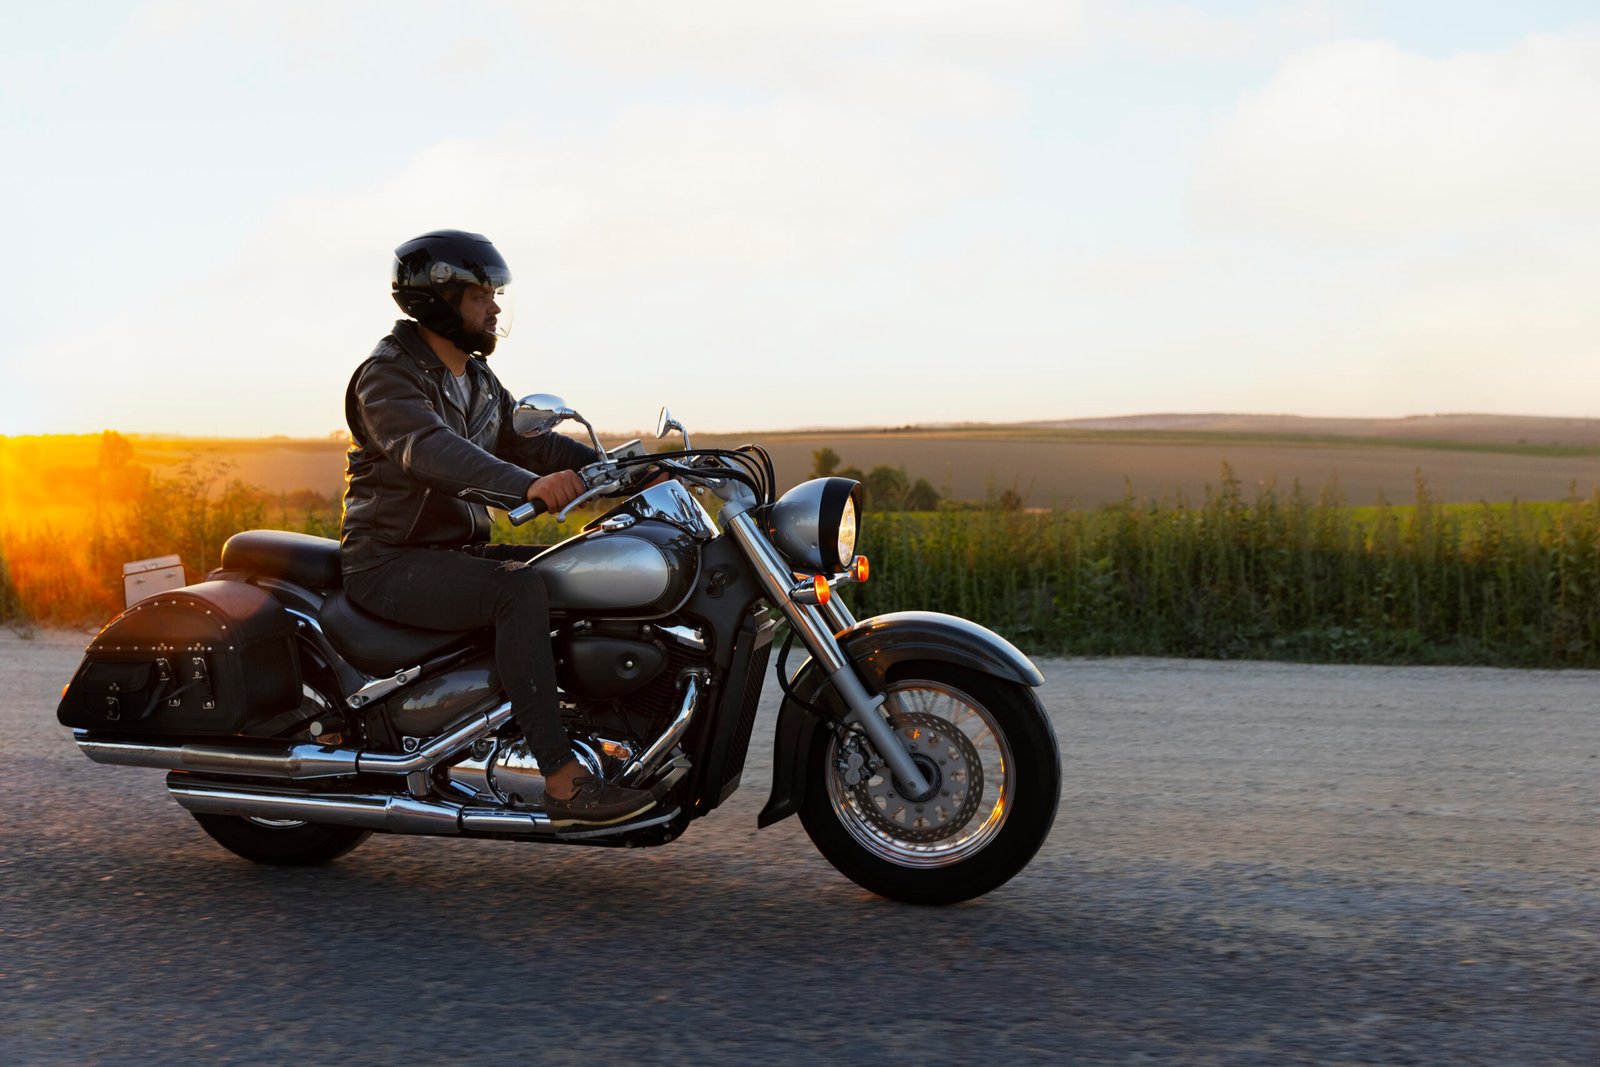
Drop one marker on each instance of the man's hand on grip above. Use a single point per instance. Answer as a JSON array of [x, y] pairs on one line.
[[556, 490]]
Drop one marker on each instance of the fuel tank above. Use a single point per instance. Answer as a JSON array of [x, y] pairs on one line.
[[643, 570]]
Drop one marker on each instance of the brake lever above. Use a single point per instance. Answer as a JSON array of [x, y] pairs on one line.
[[598, 490]]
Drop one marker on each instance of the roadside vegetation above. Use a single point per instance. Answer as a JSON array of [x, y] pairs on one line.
[[1283, 575], [1278, 573]]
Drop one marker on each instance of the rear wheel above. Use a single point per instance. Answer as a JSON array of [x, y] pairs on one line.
[[291, 842], [283, 842], [989, 753]]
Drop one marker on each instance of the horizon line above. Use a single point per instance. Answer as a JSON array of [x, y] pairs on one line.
[[1040, 423]]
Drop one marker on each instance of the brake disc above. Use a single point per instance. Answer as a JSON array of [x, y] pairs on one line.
[[950, 762]]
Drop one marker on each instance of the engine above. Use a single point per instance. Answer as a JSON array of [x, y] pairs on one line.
[[621, 690], [503, 771]]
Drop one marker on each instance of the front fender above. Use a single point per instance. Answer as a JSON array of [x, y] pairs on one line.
[[877, 646]]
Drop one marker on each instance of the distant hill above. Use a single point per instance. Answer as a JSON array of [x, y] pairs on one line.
[[1467, 428], [1079, 462]]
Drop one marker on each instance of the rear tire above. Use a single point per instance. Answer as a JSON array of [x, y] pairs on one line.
[[288, 844], [993, 748]]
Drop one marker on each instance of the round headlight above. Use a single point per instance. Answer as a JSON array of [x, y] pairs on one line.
[[847, 534], [814, 524]]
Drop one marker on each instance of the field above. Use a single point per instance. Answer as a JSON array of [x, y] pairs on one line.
[[1073, 465], [1287, 576], [1086, 469], [1155, 541]]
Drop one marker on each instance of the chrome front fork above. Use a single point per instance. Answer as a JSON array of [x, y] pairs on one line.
[[809, 623], [836, 615]]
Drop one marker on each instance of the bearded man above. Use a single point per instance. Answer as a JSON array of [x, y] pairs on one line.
[[431, 438]]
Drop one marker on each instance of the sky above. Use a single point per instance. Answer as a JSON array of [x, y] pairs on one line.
[[842, 212]]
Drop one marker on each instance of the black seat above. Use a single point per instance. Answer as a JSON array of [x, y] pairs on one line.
[[374, 645], [295, 557], [378, 646]]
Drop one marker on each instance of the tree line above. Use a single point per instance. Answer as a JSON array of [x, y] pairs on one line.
[[886, 488]]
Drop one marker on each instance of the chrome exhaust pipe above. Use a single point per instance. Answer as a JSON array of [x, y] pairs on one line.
[[657, 752], [297, 761], [386, 812], [393, 814], [442, 747], [396, 814], [259, 761]]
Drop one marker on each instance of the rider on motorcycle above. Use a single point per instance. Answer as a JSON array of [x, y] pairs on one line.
[[428, 421]]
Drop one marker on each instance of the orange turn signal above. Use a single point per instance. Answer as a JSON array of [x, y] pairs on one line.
[[858, 569], [813, 590]]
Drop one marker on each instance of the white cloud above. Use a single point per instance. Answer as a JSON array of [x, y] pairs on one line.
[[937, 57], [950, 57], [666, 189], [603, 230], [742, 201], [1363, 140], [724, 31], [1186, 30], [309, 24], [1435, 224]]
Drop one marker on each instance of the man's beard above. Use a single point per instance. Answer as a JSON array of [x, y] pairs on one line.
[[482, 342]]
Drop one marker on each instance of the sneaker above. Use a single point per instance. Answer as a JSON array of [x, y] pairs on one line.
[[597, 803]]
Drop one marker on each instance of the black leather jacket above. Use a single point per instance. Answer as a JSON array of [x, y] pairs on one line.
[[413, 451]]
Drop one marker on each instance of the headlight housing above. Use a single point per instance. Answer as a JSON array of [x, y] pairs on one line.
[[814, 524]]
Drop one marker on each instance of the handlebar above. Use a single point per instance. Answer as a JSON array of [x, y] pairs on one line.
[[629, 472], [594, 476], [520, 515]]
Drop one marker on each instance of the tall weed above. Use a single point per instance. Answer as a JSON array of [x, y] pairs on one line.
[[1282, 574], [74, 576]]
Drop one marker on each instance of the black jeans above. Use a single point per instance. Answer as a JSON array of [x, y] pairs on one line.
[[484, 585]]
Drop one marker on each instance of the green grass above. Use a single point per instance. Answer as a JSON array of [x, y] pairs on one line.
[[1278, 576]]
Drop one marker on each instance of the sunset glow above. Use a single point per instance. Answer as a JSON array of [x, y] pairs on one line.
[[943, 212]]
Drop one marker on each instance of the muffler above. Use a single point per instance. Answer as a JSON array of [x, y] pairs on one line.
[[368, 811], [388, 812], [300, 760]]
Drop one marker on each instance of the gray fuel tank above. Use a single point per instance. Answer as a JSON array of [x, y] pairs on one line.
[[644, 571]]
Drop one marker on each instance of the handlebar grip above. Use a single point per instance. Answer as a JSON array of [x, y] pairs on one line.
[[520, 515]]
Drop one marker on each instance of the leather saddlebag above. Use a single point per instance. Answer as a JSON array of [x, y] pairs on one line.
[[204, 660]]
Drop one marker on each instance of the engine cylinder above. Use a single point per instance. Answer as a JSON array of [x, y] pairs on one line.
[[509, 773]]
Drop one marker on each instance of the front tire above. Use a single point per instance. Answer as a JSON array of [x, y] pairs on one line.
[[280, 842], [989, 748]]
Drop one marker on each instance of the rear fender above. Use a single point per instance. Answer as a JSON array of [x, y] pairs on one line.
[[875, 647]]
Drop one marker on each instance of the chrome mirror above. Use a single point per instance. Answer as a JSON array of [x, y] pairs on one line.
[[666, 424], [538, 414]]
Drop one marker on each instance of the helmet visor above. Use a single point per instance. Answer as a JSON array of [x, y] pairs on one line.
[[483, 310], [505, 300]]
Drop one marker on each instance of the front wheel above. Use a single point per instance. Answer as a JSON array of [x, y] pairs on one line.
[[283, 842], [989, 753]]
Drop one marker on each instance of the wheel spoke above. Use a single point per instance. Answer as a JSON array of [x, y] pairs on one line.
[[960, 750]]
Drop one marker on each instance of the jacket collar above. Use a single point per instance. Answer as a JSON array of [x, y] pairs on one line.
[[409, 338]]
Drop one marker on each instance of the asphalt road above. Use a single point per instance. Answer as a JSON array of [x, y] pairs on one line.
[[1253, 864]]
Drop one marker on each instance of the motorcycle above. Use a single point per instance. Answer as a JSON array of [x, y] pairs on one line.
[[293, 724]]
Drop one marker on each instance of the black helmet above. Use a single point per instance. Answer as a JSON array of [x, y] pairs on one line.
[[430, 272]]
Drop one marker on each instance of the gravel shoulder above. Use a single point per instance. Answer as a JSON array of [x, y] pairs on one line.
[[1253, 863]]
